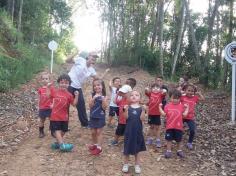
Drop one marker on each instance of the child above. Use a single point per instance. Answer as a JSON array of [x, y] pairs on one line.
[[156, 96], [98, 104], [191, 98], [113, 109], [159, 81], [174, 112], [121, 101], [182, 82], [44, 103], [134, 140], [59, 116]]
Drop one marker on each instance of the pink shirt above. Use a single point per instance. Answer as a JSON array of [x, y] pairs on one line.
[[174, 116], [191, 102]]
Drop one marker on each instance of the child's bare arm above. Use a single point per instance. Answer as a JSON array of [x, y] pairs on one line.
[[76, 98], [185, 113], [161, 110], [142, 117], [110, 85], [147, 90], [126, 111], [201, 97], [104, 103]]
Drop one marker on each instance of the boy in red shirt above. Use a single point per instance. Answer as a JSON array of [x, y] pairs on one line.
[[60, 116], [174, 112], [44, 103], [156, 95], [191, 98]]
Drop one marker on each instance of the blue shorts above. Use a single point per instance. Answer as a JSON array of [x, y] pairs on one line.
[[44, 113], [154, 120], [58, 126], [113, 111], [174, 134], [120, 130]]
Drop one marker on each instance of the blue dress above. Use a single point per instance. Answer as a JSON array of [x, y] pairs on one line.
[[97, 114], [134, 140]]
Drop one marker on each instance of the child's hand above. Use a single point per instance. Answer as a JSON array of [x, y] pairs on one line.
[[126, 107], [186, 106], [49, 84], [76, 93], [144, 107], [147, 88], [107, 70], [110, 83], [160, 105], [164, 91]]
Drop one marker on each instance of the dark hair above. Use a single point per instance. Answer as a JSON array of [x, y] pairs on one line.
[[176, 94], [190, 85], [113, 80], [155, 85], [131, 82], [103, 87], [159, 76], [64, 77]]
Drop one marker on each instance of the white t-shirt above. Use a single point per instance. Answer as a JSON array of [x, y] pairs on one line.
[[113, 96], [80, 72]]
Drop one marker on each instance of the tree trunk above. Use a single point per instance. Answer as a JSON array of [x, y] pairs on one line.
[[196, 50], [12, 11], [155, 29], [20, 15], [229, 39], [161, 36], [179, 40], [205, 79]]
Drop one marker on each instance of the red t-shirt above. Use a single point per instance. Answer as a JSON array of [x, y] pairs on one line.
[[45, 102], [174, 116], [121, 103], [61, 102], [154, 100], [191, 102]]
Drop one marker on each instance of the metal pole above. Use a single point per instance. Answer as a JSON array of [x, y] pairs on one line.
[[51, 62], [233, 93]]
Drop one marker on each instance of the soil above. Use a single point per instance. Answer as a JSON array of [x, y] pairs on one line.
[[22, 153]]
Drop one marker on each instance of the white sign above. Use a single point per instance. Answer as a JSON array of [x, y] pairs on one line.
[[230, 53], [230, 56], [52, 45]]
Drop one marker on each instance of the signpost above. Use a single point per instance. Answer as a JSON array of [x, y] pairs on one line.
[[52, 45], [230, 56]]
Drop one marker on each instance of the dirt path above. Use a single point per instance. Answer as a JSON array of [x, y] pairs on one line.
[[34, 157]]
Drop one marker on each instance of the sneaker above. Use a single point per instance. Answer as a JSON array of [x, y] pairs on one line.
[[180, 154], [92, 147], [66, 147], [168, 154], [96, 151], [125, 168], [158, 143], [55, 146], [190, 146], [137, 169], [149, 141], [114, 143]]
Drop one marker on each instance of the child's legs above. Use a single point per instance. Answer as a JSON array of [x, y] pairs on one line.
[[168, 145], [41, 122], [169, 136], [111, 115], [158, 131], [178, 138], [151, 132], [137, 159], [94, 135], [120, 130], [192, 128], [59, 136], [126, 159], [99, 136]]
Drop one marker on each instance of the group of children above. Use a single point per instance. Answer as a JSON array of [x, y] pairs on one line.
[[126, 104]]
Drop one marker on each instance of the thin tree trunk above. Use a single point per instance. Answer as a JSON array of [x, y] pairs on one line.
[[12, 11], [20, 15], [155, 29], [161, 36], [179, 40], [196, 50]]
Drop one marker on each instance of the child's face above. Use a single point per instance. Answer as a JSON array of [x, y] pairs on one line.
[[117, 83], [181, 81], [45, 79], [135, 97], [159, 81], [175, 100], [156, 89], [122, 94], [189, 91], [97, 87], [64, 84]]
